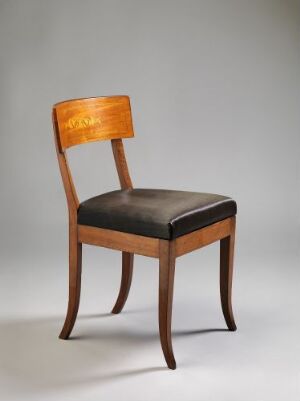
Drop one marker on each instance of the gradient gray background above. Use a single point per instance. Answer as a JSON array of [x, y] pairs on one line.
[[215, 94]]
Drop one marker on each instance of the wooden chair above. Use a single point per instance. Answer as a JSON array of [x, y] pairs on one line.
[[161, 224]]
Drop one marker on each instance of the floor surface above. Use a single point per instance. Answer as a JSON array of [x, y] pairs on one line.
[[118, 357]]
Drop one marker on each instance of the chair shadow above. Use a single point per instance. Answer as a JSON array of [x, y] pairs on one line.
[[109, 314], [94, 316], [183, 333], [34, 359]]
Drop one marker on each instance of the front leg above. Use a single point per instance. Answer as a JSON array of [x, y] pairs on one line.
[[166, 284], [75, 260], [226, 272]]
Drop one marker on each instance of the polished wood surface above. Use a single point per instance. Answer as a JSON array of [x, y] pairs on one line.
[[93, 119], [127, 269], [121, 163], [75, 262], [118, 240], [226, 273], [202, 237], [75, 247], [70, 191], [166, 285], [84, 120], [149, 246]]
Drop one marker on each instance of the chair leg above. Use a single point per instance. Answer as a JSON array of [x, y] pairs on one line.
[[226, 271], [127, 268], [75, 261], [166, 284]]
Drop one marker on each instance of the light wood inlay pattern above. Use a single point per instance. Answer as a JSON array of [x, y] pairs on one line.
[[93, 119]]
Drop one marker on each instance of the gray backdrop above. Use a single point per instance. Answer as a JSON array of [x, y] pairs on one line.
[[215, 95]]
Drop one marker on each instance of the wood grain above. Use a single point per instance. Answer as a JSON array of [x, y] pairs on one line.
[[93, 119], [121, 163], [127, 269], [226, 273], [75, 263], [131, 243], [204, 236], [166, 284], [70, 191]]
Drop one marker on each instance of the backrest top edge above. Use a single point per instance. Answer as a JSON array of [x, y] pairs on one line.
[[87, 99]]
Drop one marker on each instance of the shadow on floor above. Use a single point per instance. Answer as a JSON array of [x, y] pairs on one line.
[[182, 333], [33, 358]]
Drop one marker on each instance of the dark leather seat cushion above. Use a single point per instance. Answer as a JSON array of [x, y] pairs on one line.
[[155, 213]]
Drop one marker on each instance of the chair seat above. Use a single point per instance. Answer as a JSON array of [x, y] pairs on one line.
[[158, 213], [155, 213]]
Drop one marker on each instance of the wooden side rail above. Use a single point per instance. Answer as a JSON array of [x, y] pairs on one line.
[[148, 246]]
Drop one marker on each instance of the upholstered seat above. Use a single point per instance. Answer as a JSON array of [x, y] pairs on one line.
[[155, 213]]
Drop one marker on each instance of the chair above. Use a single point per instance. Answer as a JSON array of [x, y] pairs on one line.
[[162, 224]]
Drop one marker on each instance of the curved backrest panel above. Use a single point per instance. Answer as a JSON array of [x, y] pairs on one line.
[[92, 119]]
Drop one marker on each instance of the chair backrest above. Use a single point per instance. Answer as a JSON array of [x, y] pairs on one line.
[[93, 119], [79, 121]]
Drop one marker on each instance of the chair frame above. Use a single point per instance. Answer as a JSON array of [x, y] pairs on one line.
[[103, 112]]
